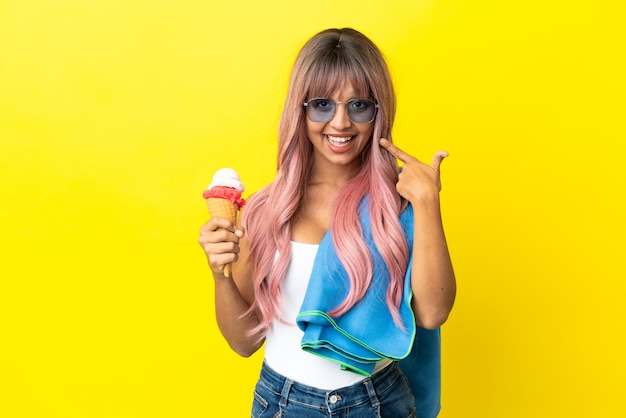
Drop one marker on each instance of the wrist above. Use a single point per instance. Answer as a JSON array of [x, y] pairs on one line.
[[426, 200]]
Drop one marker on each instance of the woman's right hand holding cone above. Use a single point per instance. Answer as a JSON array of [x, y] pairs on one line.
[[219, 238]]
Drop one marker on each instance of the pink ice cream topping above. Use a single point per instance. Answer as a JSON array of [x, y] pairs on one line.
[[225, 192]]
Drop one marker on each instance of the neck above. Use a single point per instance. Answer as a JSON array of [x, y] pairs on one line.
[[332, 174]]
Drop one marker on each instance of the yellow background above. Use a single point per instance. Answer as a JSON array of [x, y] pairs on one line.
[[114, 115]]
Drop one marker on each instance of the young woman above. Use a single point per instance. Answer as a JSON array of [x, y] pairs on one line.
[[331, 256]]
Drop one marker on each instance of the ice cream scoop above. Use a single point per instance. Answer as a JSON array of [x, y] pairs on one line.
[[227, 177], [226, 185]]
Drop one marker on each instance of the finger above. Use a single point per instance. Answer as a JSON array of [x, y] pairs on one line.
[[223, 247], [221, 223], [211, 235], [438, 158], [395, 151], [219, 261]]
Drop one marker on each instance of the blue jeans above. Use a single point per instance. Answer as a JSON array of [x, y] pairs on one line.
[[386, 394]]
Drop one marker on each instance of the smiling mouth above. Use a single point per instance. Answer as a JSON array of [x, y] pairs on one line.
[[339, 141]]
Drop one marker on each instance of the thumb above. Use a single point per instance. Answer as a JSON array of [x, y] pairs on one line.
[[438, 158]]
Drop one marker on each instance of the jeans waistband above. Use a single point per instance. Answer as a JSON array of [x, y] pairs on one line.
[[354, 395]]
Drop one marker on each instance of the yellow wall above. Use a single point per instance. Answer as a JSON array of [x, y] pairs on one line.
[[114, 114]]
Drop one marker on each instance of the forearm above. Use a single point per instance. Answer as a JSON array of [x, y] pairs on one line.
[[432, 278], [232, 320]]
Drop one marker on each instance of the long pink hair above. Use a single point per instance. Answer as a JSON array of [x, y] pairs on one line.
[[322, 66]]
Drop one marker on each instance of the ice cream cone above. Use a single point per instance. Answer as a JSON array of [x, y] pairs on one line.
[[223, 198], [222, 208]]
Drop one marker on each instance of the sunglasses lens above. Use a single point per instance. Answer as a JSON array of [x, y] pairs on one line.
[[323, 110], [361, 111]]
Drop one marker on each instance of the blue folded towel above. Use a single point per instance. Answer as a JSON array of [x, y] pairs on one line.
[[367, 333]]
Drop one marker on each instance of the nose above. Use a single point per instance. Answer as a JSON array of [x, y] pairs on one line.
[[340, 119]]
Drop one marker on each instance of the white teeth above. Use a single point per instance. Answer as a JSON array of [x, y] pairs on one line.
[[339, 141]]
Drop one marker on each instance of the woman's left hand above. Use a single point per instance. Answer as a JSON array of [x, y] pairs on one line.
[[417, 181]]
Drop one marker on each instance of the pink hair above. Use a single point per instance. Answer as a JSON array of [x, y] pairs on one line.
[[322, 66]]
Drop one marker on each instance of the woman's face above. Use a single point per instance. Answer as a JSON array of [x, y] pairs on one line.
[[340, 141]]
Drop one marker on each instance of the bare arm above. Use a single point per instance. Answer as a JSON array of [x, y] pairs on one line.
[[223, 244], [432, 278]]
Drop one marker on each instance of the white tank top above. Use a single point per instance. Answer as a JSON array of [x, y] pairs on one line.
[[282, 343]]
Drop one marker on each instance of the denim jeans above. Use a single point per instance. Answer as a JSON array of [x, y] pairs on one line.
[[386, 394]]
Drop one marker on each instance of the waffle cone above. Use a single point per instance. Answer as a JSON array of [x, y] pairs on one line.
[[222, 208]]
